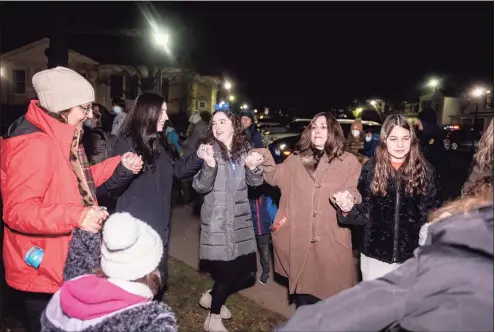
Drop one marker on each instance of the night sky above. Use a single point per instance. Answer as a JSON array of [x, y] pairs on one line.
[[311, 56]]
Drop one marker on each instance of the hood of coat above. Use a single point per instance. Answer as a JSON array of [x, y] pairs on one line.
[[473, 230], [89, 299]]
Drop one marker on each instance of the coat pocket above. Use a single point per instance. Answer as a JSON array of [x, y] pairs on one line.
[[343, 236]]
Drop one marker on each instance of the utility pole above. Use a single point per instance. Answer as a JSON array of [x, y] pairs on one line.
[[58, 51]]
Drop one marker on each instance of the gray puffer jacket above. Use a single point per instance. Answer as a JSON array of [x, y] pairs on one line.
[[226, 226], [447, 286]]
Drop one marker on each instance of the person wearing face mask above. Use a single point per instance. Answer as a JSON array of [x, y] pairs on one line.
[[48, 188], [371, 141], [355, 139], [310, 248], [118, 108]]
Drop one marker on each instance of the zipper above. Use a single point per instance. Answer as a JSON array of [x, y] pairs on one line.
[[395, 253]]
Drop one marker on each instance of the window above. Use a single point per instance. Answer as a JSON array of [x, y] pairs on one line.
[[202, 104], [131, 87], [20, 80], [116, 86]]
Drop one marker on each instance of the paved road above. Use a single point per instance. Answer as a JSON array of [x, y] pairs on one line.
[[184, 245]]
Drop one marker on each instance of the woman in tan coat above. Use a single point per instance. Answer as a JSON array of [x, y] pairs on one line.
[[310, 248]]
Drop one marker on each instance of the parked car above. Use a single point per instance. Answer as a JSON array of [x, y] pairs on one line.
[[294, 128], [462, 139], [283, 147]]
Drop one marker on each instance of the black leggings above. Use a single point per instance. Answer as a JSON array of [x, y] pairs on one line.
[[222, 289], [34, 304]]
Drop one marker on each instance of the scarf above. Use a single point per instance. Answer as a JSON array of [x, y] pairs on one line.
[[80, 166]]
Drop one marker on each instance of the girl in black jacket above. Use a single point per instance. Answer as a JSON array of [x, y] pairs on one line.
[[148, 196], [399, 189]]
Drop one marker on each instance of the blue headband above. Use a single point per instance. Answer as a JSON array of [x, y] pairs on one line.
[[222, 107]]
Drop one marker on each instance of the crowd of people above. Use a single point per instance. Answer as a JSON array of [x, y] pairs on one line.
[[87, 196]]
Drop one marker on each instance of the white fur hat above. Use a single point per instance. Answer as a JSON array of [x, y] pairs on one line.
[[61, 88], [130, 249]]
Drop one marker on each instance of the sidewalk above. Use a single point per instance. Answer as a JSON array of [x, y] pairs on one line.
[[184, 246]]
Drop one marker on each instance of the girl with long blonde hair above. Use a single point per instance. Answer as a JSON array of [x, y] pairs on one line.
[[398, 189]]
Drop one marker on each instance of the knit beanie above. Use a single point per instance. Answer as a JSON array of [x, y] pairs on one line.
[[130, 249], [61, 88], [249, 114]]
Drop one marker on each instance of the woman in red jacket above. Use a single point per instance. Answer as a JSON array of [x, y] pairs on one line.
[[47, 186]]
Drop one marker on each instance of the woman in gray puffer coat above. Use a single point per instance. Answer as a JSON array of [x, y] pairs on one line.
[[227, 244]]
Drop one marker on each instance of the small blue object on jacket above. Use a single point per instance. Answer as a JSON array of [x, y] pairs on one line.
[[173, 138]]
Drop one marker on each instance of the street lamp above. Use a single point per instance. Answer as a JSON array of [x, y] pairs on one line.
[[373, 103], [244, 107], [232, 98], [161, 39], [433, 83], [227, 85]]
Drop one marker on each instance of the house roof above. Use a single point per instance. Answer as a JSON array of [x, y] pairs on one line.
[[43, 42]]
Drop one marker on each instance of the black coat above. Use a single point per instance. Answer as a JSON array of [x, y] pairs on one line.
[[148, 195], [392, 222]]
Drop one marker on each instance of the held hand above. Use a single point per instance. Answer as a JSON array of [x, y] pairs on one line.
[[132, 162], [205, 152], [344, 200], [253, 160], [93, 219]]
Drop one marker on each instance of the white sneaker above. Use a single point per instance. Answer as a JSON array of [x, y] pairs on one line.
[[205, 302], [213, 323]]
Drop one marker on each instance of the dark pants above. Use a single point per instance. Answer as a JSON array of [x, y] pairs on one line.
[[230, 277], [34, 304], [305, 299], [263, 242]]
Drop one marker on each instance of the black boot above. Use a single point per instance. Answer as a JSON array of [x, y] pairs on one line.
[[264, 250]]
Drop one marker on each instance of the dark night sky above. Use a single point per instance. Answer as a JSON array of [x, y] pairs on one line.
[[308, 55]]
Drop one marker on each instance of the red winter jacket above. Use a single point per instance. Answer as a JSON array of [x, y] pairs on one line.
[[41, 200]]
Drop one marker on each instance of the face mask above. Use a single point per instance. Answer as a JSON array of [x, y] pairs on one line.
[[88, 123], [117, 109], [355, 133], [368, 138]]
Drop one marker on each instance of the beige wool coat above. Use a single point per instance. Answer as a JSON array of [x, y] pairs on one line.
[[310, 248]]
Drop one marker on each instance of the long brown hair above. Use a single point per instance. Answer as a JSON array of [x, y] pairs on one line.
[[153, 280], [240, 141], [414, 169], [334, 146], [484, 157]]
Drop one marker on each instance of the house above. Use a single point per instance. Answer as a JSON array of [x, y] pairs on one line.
[[453, 107], [183, 90]]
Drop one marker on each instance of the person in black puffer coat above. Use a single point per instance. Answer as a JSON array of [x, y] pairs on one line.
[[398, 189], [431, 140], [258, 202]]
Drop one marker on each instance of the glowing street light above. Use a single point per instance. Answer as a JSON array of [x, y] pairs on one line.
[[227, 85], [478, 92], [232, 98], [373, 103], [433, 83], [245, 106], [255, 111], [161, 39]]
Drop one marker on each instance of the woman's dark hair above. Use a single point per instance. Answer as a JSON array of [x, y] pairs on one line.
[[334, 146], [414, 169], [140, 125], [240, 141]]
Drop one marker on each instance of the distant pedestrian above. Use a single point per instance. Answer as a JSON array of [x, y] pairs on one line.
[[118, 108], [431, 140], [258, 202]]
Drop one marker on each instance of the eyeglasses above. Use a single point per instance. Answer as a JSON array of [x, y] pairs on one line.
[[87, 109]]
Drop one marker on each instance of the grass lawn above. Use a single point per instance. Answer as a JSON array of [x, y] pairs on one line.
[[185, 288]]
